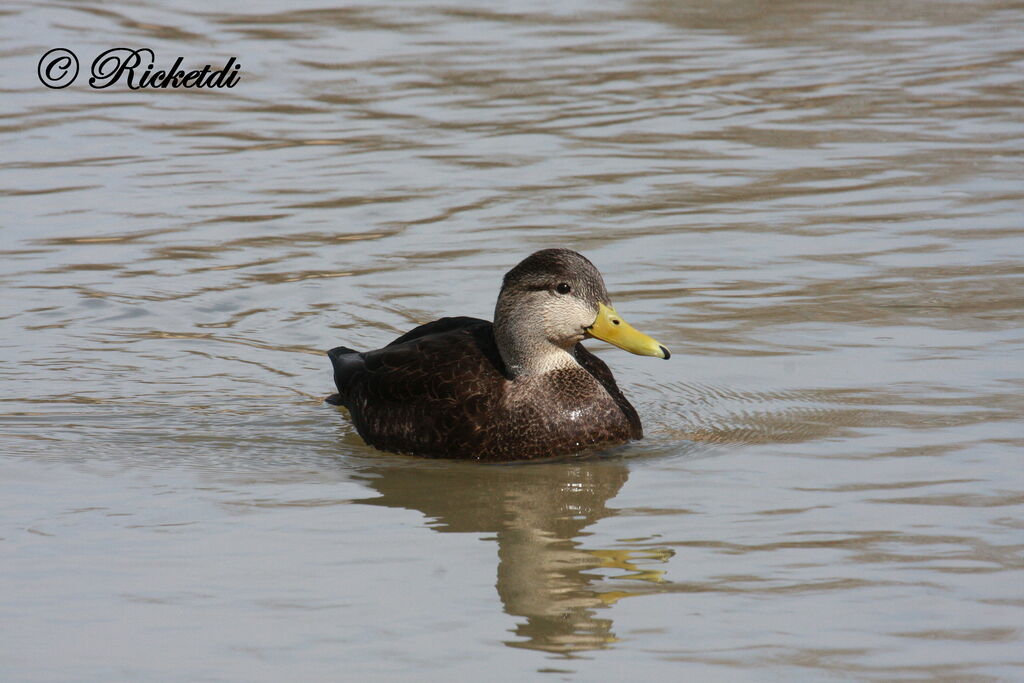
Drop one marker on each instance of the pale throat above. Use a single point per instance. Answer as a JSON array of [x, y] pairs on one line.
[[529, 352], [540, 362]]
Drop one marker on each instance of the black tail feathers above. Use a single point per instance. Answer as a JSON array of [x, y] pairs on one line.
[[339, 351], [341, 359]]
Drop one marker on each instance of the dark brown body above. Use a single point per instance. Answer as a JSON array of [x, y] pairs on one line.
[[441, 390]]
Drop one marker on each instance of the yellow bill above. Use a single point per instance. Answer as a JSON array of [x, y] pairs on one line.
[[610, 327]]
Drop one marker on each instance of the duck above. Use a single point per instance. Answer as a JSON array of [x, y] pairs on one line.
[[520, 388]]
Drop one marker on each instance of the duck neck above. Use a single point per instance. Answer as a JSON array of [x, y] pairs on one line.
[[524, 345]]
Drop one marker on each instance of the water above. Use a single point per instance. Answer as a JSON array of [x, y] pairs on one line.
[[816, 205]]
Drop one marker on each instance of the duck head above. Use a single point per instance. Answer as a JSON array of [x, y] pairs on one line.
[[551, 301]]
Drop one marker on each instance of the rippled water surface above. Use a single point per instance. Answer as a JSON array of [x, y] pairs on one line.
[[816, 205]]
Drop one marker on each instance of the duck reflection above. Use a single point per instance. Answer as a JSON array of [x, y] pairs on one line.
[[538, 513]]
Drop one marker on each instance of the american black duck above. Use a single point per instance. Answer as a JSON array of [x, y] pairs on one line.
[[522, 387]]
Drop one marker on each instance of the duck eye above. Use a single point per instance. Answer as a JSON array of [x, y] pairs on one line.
[[563, 288]]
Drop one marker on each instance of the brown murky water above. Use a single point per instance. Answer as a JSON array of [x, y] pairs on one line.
[[817, 205]]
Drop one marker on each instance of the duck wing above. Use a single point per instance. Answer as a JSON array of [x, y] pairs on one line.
[[349, 362], [427, 392], [438, 327]]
